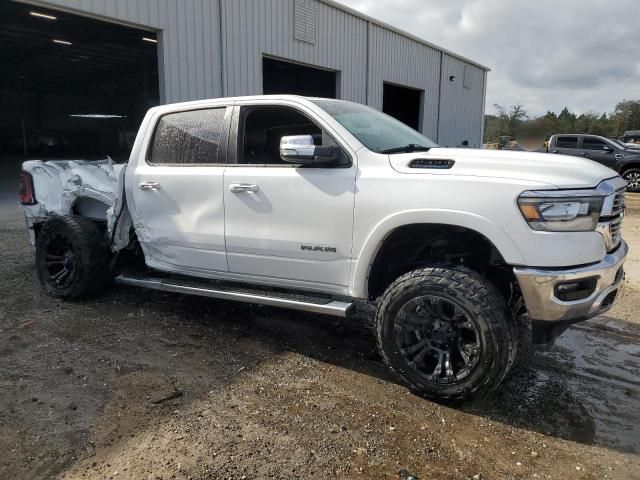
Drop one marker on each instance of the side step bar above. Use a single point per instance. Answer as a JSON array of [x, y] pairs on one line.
[[305, 303]]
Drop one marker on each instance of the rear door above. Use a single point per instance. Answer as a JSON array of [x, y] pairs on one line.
[[178, 208], [285, 223], [599, 150], [566, 145]]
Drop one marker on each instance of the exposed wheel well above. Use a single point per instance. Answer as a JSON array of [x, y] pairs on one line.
[[413, 246], [629, 167]]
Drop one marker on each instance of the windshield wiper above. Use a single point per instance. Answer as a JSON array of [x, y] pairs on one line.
[[412, 147]]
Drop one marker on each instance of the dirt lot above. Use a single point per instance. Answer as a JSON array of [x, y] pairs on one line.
[[140, 384]]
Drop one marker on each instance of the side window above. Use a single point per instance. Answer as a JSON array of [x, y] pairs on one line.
[[590, 143], [567, 142], [263, 127], [191, 137]]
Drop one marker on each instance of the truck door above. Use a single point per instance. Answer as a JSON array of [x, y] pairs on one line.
[[565, 145], [175, 191], [600, 151], [287, 223]]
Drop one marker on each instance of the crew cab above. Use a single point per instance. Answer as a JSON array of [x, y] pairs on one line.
[[620, 157], [326, 206]]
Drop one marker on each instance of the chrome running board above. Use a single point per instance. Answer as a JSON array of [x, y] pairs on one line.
[[306, 302]]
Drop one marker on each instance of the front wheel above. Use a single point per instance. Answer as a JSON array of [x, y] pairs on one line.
[[447, 332], [632, 177]]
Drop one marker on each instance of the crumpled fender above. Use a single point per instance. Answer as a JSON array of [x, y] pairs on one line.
[[59, 184]]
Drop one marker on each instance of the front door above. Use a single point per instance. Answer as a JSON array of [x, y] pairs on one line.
[[178, 208], [285, 223], [599, 151]]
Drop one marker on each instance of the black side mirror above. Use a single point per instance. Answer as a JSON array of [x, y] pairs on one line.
[[608, 148]]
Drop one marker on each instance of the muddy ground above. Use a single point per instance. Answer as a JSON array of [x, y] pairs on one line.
[[146, 385]]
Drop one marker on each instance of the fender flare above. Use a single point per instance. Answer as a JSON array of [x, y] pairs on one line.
[[494, 233]]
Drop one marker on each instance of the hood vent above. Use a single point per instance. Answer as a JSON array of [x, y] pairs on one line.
[[432, 163]]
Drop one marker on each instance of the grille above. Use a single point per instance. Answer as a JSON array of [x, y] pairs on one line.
[[610, 225], [618, 203], [615, 228]]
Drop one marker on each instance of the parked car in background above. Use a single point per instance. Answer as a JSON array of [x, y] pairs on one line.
[[613, 154], [634, 146], [631, 136]]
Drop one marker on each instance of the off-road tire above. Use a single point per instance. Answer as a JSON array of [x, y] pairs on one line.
[[632, 177], [484, 305], [89, 257]]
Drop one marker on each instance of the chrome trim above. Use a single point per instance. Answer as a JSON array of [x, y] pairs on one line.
[[318, 305], [611, 232], [606, 187], [538, 286]]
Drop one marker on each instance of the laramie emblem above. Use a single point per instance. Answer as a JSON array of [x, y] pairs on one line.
[[318, 248]]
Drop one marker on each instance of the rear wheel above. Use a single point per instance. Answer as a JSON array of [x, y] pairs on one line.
[[446, 332], [632, 177], [71, 257]]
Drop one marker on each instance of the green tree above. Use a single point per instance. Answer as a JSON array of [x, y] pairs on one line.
[[515, 122]]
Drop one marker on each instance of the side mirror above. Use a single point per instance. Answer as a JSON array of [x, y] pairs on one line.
[[608, 148], [301, 149]]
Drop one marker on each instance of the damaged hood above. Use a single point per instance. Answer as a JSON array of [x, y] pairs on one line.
[[560, 171]]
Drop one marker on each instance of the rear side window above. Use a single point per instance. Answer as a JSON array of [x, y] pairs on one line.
[[188, 138], [567, 142], [590, 143]]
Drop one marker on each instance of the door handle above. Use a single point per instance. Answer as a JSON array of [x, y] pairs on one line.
[[149, 186], [243, 187]]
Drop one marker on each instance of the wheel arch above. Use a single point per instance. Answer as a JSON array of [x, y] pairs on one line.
[[385, 229], [635, 165]]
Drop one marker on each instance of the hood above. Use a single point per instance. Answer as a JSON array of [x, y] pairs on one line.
[[559, 171]]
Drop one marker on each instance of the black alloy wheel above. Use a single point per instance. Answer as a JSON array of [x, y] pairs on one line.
[[438, 339], [447, 332], [72, 257]]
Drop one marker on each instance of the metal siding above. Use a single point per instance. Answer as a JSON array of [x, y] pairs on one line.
[[397, 59], [196, 65], [253, 28], [190, 39], [461, 110]]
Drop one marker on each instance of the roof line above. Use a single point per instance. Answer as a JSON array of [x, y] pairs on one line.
[[379, 23]]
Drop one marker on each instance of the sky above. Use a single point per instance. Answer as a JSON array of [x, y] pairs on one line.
[[543, 54]]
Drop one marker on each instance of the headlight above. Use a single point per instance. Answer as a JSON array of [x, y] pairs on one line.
[[556, 214]]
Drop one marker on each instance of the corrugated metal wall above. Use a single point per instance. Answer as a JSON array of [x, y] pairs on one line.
[[253, 28], [461, 108], [200, 61], [190, 39], [397, 59]]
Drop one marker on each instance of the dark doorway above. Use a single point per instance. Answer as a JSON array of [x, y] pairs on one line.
[[402, 103], [71, 86], [286, 77]]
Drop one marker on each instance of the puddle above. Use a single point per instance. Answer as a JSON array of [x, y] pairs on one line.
[[599, 361]]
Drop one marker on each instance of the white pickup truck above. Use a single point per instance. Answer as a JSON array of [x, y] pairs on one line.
[[320, 205]]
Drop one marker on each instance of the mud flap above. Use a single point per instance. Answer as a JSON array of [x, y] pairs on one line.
[[545, 332]]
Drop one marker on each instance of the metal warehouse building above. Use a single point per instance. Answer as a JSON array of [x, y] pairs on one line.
[[78, 75]]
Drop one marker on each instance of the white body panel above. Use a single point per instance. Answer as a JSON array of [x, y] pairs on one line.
[[184, 226], [266, 230], [181, 224]]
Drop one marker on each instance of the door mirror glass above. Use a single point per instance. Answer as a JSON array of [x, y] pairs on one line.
[[608, 148], [301, 149]]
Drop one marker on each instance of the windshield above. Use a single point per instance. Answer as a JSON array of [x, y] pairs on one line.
[[375, 130]]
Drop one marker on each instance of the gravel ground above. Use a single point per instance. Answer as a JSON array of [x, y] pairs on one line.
[[139, 384]]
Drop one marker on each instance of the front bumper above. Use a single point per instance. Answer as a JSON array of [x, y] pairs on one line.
[[551, 316]]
